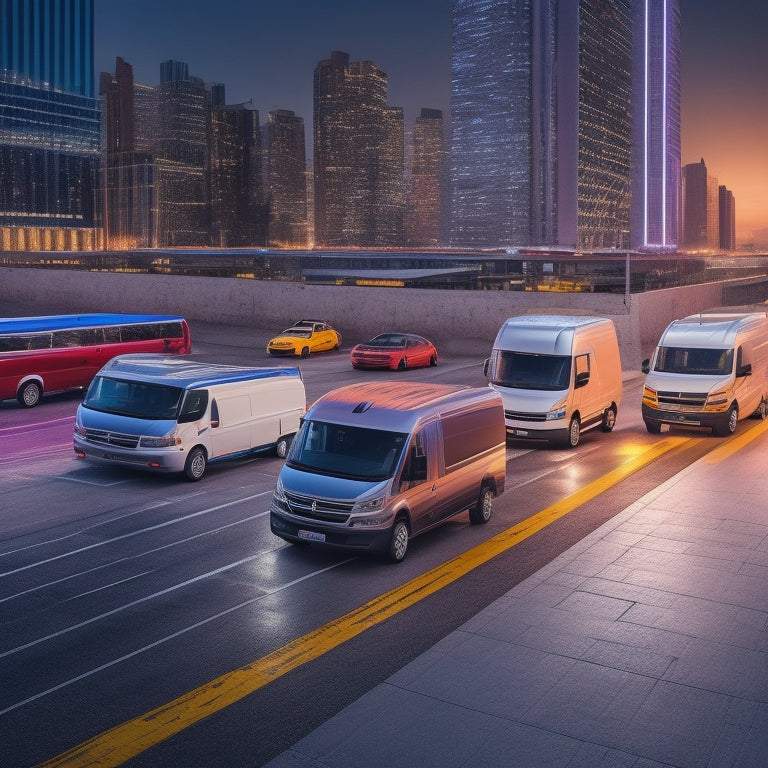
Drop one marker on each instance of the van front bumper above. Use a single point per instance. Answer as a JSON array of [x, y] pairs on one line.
[[138, 458], [684, 419], [518, 431], [309, 531]]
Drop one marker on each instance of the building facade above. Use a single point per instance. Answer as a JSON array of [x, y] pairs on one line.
[[656, 162], [286, 180], [49, 126], [701, 210], [541, 110], [727, 219], [426, 195], [358, 156]]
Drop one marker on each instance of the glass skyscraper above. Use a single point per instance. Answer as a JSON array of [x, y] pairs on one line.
[[49, 126], [656, 156], [491, 140], [541, 119]]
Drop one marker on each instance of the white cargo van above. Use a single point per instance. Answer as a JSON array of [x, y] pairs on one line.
[[375, 464], [175, 415], [558, 376], [708, 370]]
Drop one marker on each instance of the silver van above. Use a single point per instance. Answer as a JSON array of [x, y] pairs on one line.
[[171, 414], [375, 464]]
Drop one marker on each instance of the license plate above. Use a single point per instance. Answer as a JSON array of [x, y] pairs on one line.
[[109, 456], [311, 535], [520, 432]]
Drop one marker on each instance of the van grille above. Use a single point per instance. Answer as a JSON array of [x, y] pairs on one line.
[[520, 416], [675, 401], [111, 438], [318, 509]]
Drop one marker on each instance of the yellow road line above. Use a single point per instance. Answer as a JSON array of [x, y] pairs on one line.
[[121, 743]]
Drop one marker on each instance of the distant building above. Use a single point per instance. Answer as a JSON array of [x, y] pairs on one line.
[[541, 97], [358, 156], [424, 212], [701, 210], [238, 212], [727, 219], [656, 183], [49, 127], [286, 180]]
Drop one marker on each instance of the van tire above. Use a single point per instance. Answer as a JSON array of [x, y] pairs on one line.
[[609, 419], [398, 541], [482, 510], [194, 466], [573, 436], [282, 446], [729, 426], [29, 394]]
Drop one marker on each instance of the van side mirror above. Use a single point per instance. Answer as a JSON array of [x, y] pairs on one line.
[[744, 370], [582, 379], [646, 365], [486, 366]]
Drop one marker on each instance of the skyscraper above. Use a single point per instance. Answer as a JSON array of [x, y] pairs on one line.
[[541, 123], [49, 126], [491, 113], [701, 219], [427, 180], [286, 179], [656, 195], [358, 156], [727, 214]]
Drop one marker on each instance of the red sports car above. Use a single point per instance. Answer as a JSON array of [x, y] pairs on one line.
[[396, 351]]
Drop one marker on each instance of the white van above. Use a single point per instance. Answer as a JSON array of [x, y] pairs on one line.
[[558, 376], [176, 415], [708, 370], [375, 464]]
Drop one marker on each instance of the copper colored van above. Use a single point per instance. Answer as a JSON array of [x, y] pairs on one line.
[[375, 464]]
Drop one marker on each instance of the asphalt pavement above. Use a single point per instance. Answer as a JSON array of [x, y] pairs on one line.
[[643, 646]]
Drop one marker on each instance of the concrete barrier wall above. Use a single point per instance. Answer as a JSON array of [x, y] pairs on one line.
[[458, 321]]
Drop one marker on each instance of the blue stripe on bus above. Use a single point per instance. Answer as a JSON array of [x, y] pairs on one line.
[[63, 322]]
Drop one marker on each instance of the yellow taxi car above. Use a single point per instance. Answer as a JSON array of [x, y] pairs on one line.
[[304, 338]]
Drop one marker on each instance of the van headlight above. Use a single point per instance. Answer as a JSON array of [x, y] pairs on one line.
[[557, 411], [715, 399], [279, 494], [167, 441], [650, 397], [369, 505]]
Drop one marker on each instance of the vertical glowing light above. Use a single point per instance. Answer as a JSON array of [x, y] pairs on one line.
[[646, 118]]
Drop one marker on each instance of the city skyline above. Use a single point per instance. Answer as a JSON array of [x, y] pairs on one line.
[[267, 56]]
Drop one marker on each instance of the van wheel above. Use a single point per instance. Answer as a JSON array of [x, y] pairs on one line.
[[305, 352], [398, 542], [29, 395], [609, 420], [574, 433], [730, 424], [481, 512], [762, 411], [194, 466], [653, 427], [282, 446]]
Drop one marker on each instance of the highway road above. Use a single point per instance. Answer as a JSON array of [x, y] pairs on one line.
[[149, 621]]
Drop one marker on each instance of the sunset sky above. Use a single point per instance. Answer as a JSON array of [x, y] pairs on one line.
[[266, 52]]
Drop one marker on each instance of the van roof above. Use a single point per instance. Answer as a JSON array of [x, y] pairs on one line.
[[189, 374], [713, 330], [392, 405], [545, 334]]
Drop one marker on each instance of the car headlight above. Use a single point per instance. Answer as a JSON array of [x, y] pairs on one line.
[[167, 441]]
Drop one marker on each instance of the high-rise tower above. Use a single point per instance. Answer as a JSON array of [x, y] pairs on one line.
[[541, 123], [656, 195], [358, 156], [49, 126], [425, 208]]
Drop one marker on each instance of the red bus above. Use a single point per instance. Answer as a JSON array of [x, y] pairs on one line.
[[59, 352]]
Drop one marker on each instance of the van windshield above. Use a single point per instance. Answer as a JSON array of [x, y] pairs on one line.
[[702, 362], [133, 398], [522, 370], [358, 453]]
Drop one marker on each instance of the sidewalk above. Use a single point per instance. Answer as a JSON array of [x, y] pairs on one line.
[[643, 646]]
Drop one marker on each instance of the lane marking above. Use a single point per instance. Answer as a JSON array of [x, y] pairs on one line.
[[129, 739]]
